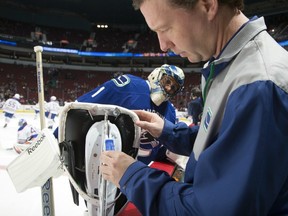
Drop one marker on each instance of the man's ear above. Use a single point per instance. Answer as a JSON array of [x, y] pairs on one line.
[[211, 7]]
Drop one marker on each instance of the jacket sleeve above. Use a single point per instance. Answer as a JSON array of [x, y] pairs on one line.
[[243, 172], [175, 135]]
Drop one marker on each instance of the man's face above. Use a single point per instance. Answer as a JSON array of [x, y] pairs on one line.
[[169, 85], [188, 33]]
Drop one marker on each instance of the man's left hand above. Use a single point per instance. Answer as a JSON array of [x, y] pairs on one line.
[[113, 165]]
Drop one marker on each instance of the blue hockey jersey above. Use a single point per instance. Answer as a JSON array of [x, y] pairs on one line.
[[133, 93]]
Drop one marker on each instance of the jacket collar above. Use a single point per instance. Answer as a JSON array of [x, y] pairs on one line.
[[245, 34]]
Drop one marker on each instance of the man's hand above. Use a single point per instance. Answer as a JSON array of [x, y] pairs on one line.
[[150, 122], [114, 164]]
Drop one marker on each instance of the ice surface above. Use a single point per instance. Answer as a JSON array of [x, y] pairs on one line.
[[29, 203]]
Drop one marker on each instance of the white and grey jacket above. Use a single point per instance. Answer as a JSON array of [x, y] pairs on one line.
[[238, 162]]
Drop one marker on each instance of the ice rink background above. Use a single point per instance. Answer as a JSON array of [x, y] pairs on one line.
[[29, 203]]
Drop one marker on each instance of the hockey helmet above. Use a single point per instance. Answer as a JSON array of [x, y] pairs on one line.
[[53, 98], [22, 122], [166, 75], [16, 96]]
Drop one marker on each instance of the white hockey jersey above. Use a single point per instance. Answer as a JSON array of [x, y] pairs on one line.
[[11, 105], [52, 107], [25, 133]]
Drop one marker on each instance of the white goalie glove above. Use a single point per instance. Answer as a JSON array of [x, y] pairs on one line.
[[37, 163]]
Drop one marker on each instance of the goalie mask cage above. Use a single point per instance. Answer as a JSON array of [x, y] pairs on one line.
[[75, 121]]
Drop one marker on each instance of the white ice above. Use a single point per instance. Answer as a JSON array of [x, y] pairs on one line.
[[29, 202]]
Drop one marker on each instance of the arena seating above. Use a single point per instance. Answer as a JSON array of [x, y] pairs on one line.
[[67, 84]]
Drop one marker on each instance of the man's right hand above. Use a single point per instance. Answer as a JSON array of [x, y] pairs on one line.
[[150, 122]]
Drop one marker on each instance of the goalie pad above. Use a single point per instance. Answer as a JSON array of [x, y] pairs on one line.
[[37, 163], [80, 137]]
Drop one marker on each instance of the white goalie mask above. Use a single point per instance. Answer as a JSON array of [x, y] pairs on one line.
[[85, 130], [170, 75]]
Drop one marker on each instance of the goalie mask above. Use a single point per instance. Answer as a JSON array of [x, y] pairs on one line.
[[165, 82], [85, 130]]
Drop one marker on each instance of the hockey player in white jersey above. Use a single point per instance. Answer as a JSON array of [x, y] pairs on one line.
[[25, 135], [36, 109], [10, 107], [51, 111]]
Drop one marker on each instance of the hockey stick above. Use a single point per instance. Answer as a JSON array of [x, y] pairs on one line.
[[47, 188]]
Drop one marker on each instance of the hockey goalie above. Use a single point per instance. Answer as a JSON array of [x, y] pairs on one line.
[[85, 130]]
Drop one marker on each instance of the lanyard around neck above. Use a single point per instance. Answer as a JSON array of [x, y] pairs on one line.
[[209, 82]]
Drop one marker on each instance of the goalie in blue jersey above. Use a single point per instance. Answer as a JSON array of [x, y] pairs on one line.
[[136, 93]]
